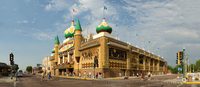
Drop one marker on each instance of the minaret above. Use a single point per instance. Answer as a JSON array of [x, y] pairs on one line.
[[56, 48], [77, 44], [77, 38]]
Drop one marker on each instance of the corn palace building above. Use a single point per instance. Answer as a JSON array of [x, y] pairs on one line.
[[111, 57]]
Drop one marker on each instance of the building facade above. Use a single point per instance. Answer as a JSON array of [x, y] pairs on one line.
[[111, 57]]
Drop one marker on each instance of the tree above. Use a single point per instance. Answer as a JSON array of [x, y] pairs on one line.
[[174, 69], [198, 65], [170, 68], [29, 69], [193, 67], [15, 67]]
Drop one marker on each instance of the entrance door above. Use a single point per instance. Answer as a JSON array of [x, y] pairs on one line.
[[123, 72], [71, 71]]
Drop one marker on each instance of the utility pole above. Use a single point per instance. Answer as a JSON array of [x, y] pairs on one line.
[[184, 64]]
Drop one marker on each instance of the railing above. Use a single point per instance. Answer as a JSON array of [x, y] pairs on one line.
[[141, 67], [134, 66], [151, 67], [146, 67], [161, 69]]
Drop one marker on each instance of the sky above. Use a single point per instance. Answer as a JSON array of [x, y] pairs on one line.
[[163, 27]]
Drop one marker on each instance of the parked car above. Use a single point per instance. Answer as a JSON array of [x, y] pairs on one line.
[[20, 73]]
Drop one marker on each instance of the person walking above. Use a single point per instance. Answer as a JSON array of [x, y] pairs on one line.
[[12, 74], [43, 76], [49, 75], [149, 75], [16, 75], [137, 75]]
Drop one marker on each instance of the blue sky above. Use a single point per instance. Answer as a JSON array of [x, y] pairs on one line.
[[28, 27]]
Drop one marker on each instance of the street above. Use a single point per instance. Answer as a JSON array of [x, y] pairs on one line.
[[35, 81]]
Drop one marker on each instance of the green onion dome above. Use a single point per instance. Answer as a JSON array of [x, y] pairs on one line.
[[70, 31], [103, 27]]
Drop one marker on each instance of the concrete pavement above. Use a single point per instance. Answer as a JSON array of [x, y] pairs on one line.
[[6, 80], [35, 81]]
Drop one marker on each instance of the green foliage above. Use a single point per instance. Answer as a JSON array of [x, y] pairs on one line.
[[193, 67], [29, 69], [197, 65], [15, 67], [174, 70]]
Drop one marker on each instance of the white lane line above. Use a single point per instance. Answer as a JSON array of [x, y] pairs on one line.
[[14, 84]]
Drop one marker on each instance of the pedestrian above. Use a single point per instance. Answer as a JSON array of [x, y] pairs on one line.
[[43, 75], [137, 75], [149, 75], [100, 75], [142, 76], [97, 76], [12, 74], [84, 74], [90, 74], [74, 74], [49, 75], [16, 75]]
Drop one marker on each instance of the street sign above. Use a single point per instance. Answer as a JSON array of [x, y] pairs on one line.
[[179, 69]]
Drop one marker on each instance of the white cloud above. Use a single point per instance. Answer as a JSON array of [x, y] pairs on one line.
[[169, 24], [23, 22], [56, 5], [43, 36]]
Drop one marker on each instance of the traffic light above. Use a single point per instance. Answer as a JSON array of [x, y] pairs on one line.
[[179, 57], [11, 59]]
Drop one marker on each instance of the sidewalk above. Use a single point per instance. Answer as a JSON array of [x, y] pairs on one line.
[[6, 80], [82, 78], [113, 78]]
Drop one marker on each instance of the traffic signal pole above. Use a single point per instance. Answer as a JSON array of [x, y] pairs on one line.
[[184, 64]]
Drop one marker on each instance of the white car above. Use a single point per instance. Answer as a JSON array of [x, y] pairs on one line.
[[19, 74]]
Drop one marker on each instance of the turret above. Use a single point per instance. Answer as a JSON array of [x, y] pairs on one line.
[[56, 48], [77, 38]]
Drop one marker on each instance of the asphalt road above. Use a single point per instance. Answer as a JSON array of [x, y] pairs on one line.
[[34, 81]]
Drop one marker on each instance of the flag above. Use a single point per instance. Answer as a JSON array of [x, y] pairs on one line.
[[105, 8], [74, 11]]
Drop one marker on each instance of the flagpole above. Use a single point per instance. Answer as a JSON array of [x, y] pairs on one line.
[[103, 12], [72, 14]]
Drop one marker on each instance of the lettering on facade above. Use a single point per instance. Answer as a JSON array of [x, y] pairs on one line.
[[90, 55], [117, 54]]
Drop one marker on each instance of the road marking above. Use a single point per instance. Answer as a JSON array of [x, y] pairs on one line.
[[14, 84]]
